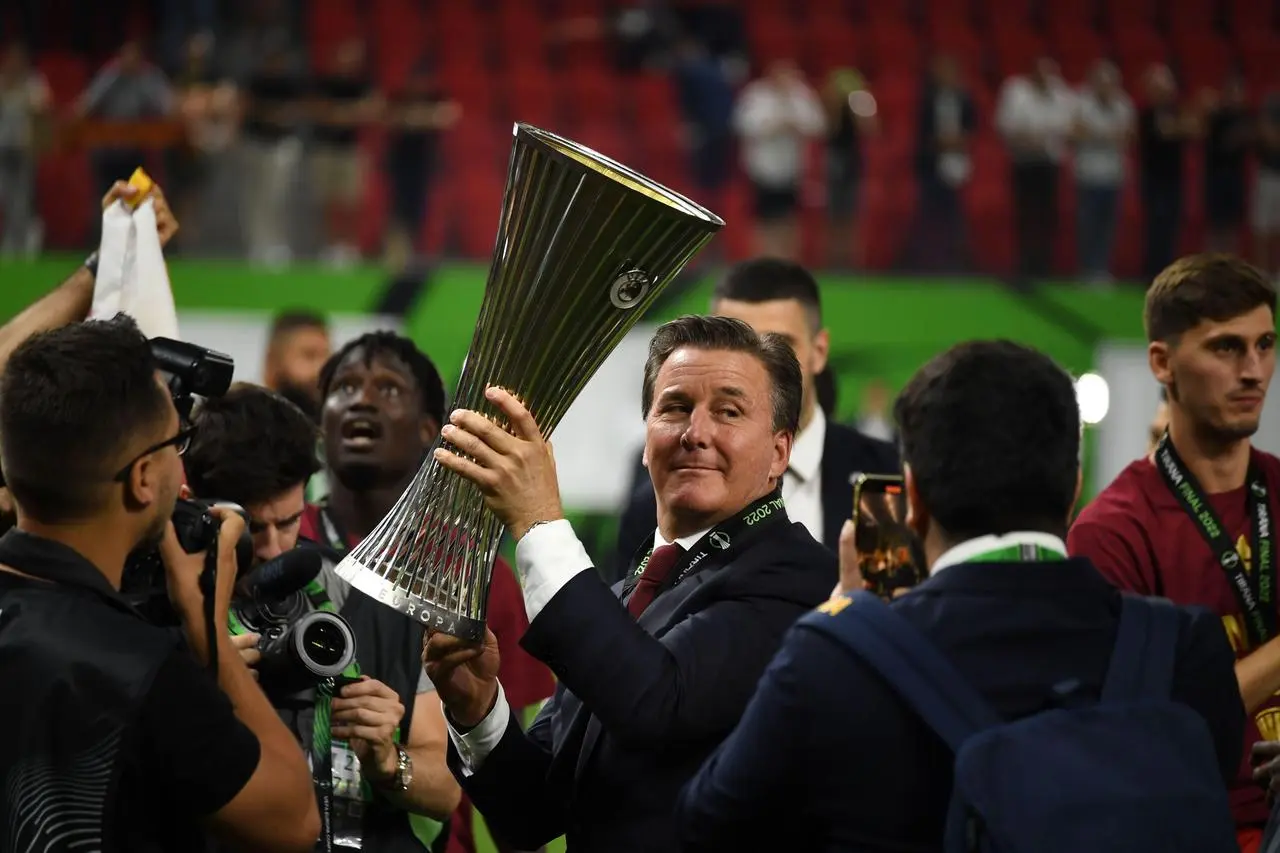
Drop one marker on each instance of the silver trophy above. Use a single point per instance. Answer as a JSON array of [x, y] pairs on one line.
[[585, 245]]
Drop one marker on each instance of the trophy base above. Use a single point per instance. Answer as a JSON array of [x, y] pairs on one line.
[[431, 616]]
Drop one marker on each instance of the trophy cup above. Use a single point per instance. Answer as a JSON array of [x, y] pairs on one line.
[[584, 247]]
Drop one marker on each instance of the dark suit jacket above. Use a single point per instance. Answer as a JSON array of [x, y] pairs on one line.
[[845, 452], [640, 705], [828, 758]]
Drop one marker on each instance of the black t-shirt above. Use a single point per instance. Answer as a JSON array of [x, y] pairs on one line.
[[187, 756], [1224, 145], [269, 92], [344, 91], [1160, 156]]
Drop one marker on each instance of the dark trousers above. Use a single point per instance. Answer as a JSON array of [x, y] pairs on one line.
[[1162, 215], [1035, 210], [1096, 208], [938, 240]]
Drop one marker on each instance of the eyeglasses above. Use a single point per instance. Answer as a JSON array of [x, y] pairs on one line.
[[179, 442]]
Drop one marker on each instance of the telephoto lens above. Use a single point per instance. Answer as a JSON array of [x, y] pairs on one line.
[[317, 646]]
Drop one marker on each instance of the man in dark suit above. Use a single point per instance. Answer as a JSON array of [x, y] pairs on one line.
[[654, 672], [781, 297], [991, 483]]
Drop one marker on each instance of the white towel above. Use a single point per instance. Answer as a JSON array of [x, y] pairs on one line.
[[132, 277]]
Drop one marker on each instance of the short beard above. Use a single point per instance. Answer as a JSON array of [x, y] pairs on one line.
[[359, 477]]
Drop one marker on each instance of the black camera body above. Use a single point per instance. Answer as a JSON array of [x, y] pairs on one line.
[[189, 371], [301, 645], [143, 583]]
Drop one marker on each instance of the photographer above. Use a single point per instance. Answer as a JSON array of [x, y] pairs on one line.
[[124, 739], [257, 449]]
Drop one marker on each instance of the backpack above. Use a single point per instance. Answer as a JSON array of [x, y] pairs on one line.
[[1133, 772]]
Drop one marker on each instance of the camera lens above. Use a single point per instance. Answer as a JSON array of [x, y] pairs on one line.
[[324, 643]]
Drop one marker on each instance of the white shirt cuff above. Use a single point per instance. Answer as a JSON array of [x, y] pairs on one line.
[[474, 746], [547, 558]]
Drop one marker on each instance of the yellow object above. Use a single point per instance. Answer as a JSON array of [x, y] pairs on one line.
[[142, 182]]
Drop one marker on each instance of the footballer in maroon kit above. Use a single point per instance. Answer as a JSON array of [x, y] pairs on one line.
[[1193, 521]]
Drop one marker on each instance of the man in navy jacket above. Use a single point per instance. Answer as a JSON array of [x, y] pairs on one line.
[[990, 443]]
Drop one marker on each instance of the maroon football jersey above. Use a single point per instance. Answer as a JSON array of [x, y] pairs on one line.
[[1141, 539]]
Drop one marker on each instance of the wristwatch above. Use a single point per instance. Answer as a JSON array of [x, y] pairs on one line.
[[403, 777]]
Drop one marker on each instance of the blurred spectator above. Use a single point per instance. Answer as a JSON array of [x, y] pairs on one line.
[[127, 89], [776, 116], [24, 107], [180, 22], [298, 345], [1034, 116], [706, 106], [943, 166], [344, 103], [416, 116], [875, 418], [851, 116], [1266, 189], [1228, 136], [1104, 125], [638, 32], [209, 107], [1163, 128], [261, 27], [271, 152]]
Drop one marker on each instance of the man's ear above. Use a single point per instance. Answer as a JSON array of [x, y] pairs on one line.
[[1159, 354], [782, 444], [142, 488], [821, 350], [917, 514], [184, 492]]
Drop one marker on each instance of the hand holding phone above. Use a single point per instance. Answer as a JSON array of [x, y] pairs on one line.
[[889, 556]]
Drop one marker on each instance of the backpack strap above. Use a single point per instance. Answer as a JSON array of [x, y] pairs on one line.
[[1142, 660], [910, 663]]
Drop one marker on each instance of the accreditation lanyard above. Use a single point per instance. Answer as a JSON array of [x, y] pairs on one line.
[[719, 544], [1255, 590], [352, 786]]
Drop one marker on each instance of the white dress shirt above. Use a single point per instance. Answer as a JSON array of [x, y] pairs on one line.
[[547, 557], [775, 124], [1045, 114], [802, 484], [972, 548]]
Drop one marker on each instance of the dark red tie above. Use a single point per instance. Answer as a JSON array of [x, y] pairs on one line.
[[660, 564]]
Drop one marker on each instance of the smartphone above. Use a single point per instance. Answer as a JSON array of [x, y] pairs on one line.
[[889, 553]]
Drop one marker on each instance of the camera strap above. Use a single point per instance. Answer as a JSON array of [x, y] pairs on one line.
[[719, 544], [1255, 590]]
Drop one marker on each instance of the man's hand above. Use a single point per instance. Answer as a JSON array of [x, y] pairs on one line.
[[465, 675], [366, 714], [166, 222], [182, 577], [1266, 769], [247, 646], [851, 579], [515, 473]]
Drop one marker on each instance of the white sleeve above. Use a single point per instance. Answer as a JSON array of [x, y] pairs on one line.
[[474, 746], [547, 558]]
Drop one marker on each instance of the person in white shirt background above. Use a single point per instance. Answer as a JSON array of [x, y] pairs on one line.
[[1034, 115], [776, 116], [1103, 130]]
